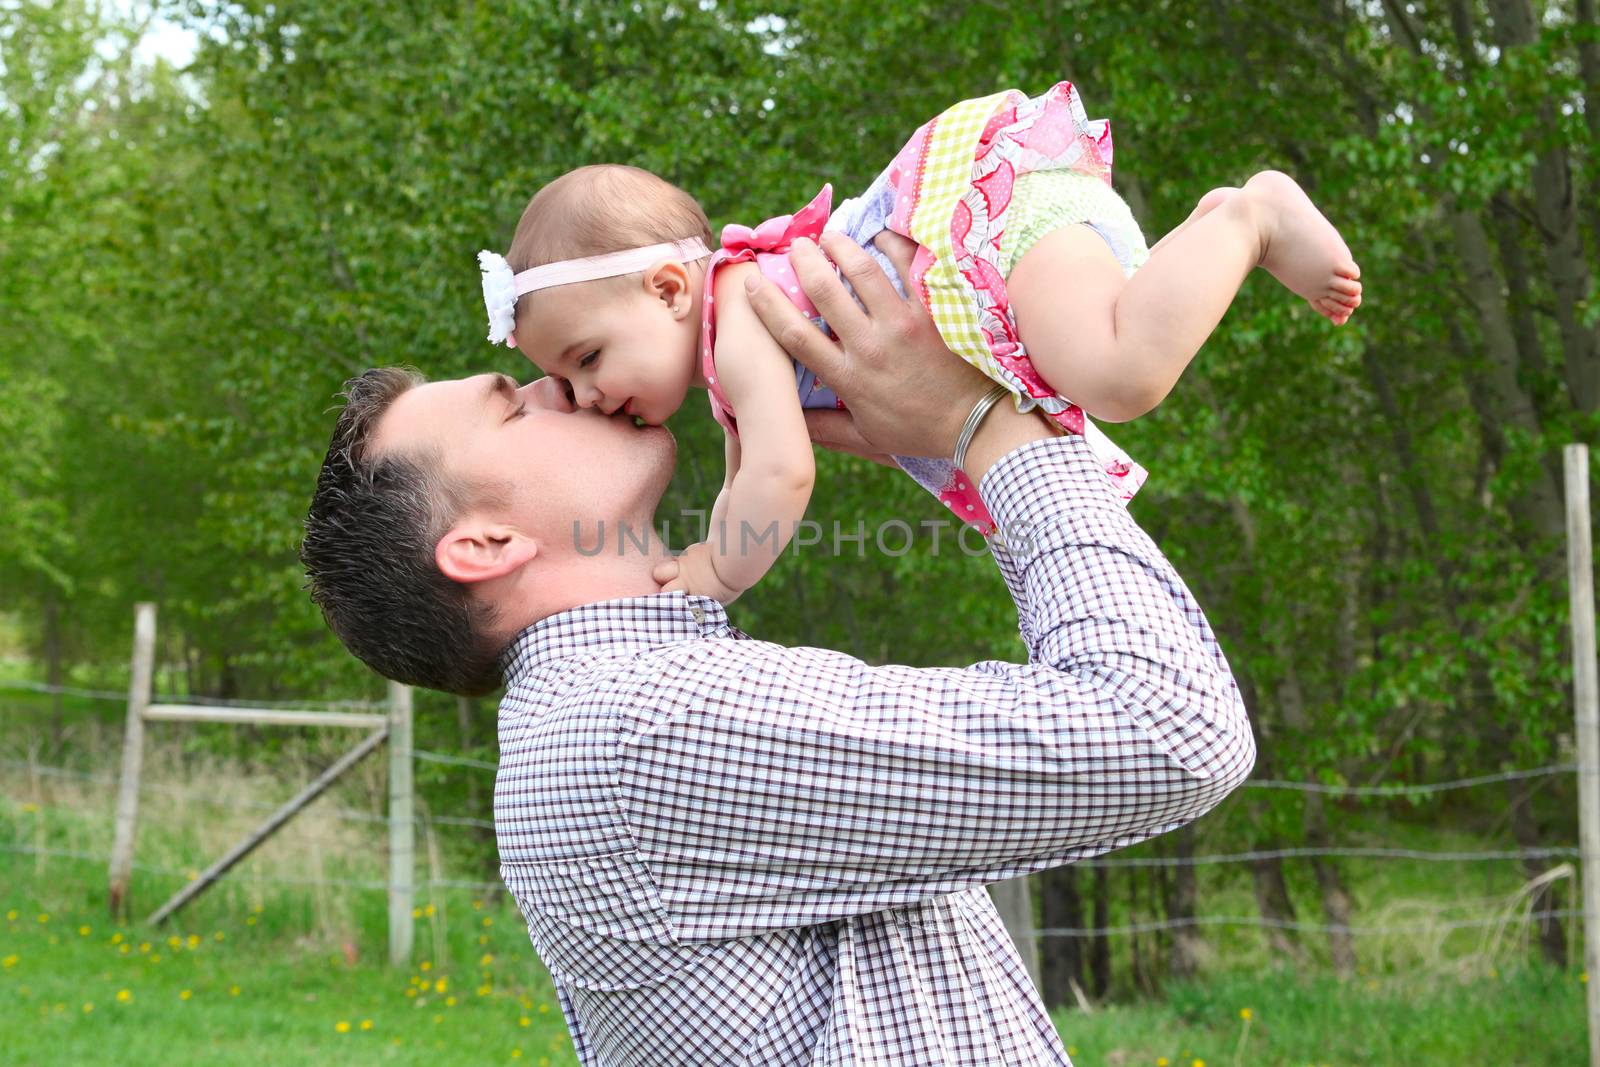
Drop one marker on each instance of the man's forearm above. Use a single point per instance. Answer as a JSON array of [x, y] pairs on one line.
[[1097, 599]]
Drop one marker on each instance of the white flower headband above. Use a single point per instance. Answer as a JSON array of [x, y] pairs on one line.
[[501, 288]]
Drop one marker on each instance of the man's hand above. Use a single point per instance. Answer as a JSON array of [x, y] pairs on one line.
[[695, 572], [906, 392]]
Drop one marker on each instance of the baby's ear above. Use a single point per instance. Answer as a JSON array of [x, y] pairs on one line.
[[669, 282]]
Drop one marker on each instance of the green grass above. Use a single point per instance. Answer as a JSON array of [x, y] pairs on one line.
[[1530, 1017], [75, 990], [306, 956]]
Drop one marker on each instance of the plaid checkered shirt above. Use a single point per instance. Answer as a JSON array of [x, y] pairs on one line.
[[733, 852]]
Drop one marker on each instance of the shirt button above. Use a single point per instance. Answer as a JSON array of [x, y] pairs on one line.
[[698, 613]]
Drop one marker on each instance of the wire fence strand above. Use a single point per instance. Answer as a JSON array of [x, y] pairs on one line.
[[1423, 927]]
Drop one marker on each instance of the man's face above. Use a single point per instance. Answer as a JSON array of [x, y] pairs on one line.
[[545, 463]]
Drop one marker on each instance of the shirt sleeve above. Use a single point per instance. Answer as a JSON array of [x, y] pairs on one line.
[[769, 787]]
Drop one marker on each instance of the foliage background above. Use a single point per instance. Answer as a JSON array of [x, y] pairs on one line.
[[192, 261]]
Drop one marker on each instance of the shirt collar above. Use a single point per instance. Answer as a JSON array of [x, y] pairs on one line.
[[625, 624]]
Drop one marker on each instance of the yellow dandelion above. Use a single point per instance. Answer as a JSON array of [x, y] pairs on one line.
[[488, 958], [88, 1007], [341, 1027], [1245, 1013], [29, 809], [428, 911], [483, 939], [425, 966], [84, 931], [488, 920], [217, 936], [416, 913], [449, 1002], [411, 992], [544, 1061], [1583, 976], [10, 961], [477, 905], [233, 991], [524, 1021], [155, 958], [442, 984], [516, 1054], [11, 916], [174, 943], [485, 989], [366, 1024], [124, 950], [186, 994], [44, 916], [1072, 1050], [116, 938], [1199, 1063], [144, 946], [544, 1009], [251, 921], [525, 1000], [124, 996], [438, 1018], [1161, 1061], [193, 941]]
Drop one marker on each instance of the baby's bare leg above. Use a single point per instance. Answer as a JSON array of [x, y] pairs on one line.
[[1116, 345], [1211, 200]]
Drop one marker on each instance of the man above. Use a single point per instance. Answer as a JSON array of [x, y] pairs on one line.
[[728, 851]]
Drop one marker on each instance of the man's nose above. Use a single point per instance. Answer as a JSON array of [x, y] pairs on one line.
[[550, 392]]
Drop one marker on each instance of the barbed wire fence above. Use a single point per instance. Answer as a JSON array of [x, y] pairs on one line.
[[1391, 791]]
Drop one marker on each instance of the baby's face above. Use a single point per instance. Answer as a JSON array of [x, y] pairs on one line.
[[618, 347]]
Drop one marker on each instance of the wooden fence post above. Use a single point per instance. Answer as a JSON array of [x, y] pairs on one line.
[[1015, 904], [1586, 719], [402, 827], [139, 684]]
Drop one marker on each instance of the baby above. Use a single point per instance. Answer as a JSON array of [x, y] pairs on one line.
[[1033, 268]]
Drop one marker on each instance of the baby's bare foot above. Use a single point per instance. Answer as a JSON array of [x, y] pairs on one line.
[[1302, 249]]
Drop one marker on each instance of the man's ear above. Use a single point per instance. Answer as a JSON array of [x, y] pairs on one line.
[[668, 281], [475, 550]]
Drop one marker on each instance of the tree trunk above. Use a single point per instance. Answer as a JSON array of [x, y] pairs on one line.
[[1061, 957], [1515, 26], [1099, 943], [1183, 956], [1589, 67], [1525, 830], [53, 673], [1272, 900]]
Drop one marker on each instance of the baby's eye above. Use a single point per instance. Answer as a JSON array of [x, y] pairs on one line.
[[589, 359]]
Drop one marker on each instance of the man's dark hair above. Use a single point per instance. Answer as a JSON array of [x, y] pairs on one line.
[[369, 553]]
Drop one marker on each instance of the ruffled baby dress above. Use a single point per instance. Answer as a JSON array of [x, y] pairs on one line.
[[951, 190]]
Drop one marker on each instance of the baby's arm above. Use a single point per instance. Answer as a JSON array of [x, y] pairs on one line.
[[719, 510], [771, 464]]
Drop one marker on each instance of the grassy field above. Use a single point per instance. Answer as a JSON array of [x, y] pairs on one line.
[[283, 962]]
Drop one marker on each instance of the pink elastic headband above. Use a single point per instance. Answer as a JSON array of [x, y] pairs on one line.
[[609, 265]]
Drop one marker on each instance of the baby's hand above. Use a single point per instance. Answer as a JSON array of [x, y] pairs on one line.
[[694, 572]]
